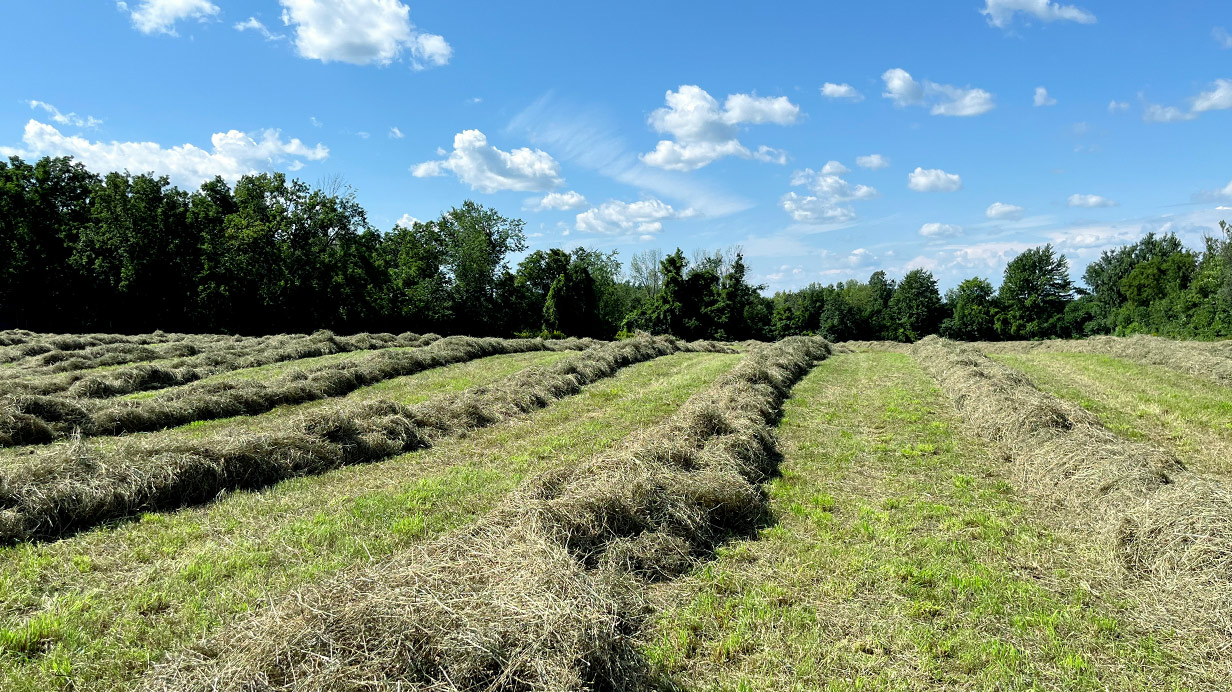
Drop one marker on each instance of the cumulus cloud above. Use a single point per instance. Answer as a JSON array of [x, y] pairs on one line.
[[1155, 113], [704, 132], [834, 168], [940, 230], [842, 91], [160, 16], [395, 133], [488, 169], [942, 99], [829, 201], [933, 180], [254, 24], [362, 32], [1217, 99], [1000, 13], [872, 161], [1001, 210], [406, 221], [770, 155], [1115, 106], [1042, 98], [615, 217], [558, 200], [1090, 201], [66, 118], [231, 155]]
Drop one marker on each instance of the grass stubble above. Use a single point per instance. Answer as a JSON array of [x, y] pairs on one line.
[[899, 559]]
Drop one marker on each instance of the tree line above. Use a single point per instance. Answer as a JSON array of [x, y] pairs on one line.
[[133, 253]]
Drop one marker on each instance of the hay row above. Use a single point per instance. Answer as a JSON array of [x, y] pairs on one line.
[[1166, 529], [105, 355], [40, 419], [248, 354], [543, 593], [876, 346], [26, 344], [1208, 360], [74, 485]]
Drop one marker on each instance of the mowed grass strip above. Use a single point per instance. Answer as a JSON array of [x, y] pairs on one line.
[[96, 609], [899, 561], [1189, 414]]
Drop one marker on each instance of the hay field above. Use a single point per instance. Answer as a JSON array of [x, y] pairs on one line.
[[381, 512]]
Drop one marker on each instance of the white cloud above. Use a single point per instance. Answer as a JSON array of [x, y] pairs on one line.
[[940, 230], [1222, 37], [1155, 113], [1000, 13], [488, 169], [1042, 98], [1001, 210], [703, 132], [933, 180], [395, 133], [1224, 193], [254, 24], [66, 118], [901, 88], [1090, 201], [828, 202], [834, 168], [232, 154], [558, 200], [1217, 99], [406, 221], [841, 91], [160, 16], [872, 161], [1115, 106], [770, 155], [615, 217], [361, 32], [942, 99]]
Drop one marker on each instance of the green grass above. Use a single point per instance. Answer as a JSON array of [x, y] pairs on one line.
[[97, 608], [1188, 414], [900, 560]]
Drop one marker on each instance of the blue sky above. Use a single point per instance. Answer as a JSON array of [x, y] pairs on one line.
[[828, 141]]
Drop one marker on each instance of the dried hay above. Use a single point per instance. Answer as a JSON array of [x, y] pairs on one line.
[[1163, 525], [72, 486], [545, 592]]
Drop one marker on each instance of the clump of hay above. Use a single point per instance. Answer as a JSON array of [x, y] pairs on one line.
[[68, 487], [543, 593]]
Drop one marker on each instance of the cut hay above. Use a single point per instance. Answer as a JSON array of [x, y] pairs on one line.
[[72, 486], [543, 593], [223, 399], [1167, 530], [1207, 360]]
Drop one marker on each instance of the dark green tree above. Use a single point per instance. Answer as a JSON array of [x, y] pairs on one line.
[[1034, 295], [971, 307], [915, 308]]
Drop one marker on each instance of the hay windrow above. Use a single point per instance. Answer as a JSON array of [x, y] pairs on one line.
[[216, 355], [223, 399], [1163, 525], [19, 344], [72, 486], [544, 592], [1208, 360]]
